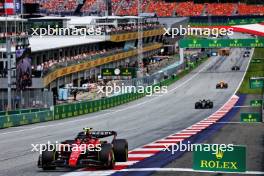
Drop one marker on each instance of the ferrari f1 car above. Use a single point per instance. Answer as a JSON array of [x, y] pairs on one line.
[[86, 150], [235, 68], [221, 85], [204, 104]]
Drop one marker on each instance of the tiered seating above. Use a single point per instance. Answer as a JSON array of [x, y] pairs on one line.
[[87, 6], [130, 7], [53, 6], [161, 8], [189, 9], [220, 9], [70, 5], [49, 5], [115, 4], [31, 1], [244, 9]]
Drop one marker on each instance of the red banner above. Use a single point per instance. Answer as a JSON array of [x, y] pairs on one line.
[[9, 7]]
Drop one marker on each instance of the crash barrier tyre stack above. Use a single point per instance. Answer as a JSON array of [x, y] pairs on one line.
[[25, 117]]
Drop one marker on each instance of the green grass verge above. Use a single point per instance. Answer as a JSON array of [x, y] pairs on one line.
[[254, 70]]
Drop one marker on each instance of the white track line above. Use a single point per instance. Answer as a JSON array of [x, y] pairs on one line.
[[145, 149], [140, 155], [186, 170]]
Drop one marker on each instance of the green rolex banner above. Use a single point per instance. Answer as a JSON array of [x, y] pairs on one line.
[[256, 83], [250, 117], [226, 161], [256, 103]]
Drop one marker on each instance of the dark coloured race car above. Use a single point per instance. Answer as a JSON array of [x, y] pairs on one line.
[[235, 68], [86, 150], [204, 104], [222, 85], [246, 54]]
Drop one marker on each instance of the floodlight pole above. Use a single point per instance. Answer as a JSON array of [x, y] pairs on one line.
[[140, 41], [8, 52]]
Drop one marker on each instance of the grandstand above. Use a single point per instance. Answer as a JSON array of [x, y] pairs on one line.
[[160, 7], [56, 62]]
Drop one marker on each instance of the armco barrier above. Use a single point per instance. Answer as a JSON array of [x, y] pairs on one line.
[[25, 118]]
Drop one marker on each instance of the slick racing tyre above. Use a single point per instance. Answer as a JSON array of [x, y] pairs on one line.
[[107, 157], [120, 150], [47, 159], [197, 105], [210, 105]]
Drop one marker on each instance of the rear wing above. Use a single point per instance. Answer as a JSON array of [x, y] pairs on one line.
[[103, 134]]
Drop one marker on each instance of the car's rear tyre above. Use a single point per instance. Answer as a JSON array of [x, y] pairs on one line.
[[197, 106], [47, 158], [120, 150], [211, 105], [106, 156]]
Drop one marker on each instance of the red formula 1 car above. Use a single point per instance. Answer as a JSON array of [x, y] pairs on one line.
[[86, 150]]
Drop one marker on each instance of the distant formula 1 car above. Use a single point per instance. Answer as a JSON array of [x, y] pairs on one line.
[[86, 150], [235, 68], [204, 104], [246, 54], [222, 85]]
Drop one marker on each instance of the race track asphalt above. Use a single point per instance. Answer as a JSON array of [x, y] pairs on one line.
[[140, 122]]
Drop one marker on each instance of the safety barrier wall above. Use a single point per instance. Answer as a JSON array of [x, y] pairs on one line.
[[75, 109], [13, 120], [263, 108], [21, 111]]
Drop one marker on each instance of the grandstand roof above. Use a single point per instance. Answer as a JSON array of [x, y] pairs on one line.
[[52, 18], [82, 20], [47, 43], [170, 21], [11, 18], [91, 19]]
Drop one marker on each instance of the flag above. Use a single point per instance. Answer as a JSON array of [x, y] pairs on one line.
[[9, 7]]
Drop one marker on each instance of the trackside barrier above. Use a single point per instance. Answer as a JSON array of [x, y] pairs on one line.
[[21, 111], [25, 117], [263, 109], [86, 107]]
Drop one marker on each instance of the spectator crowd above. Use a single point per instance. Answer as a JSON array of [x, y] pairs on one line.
[[160, 7]]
